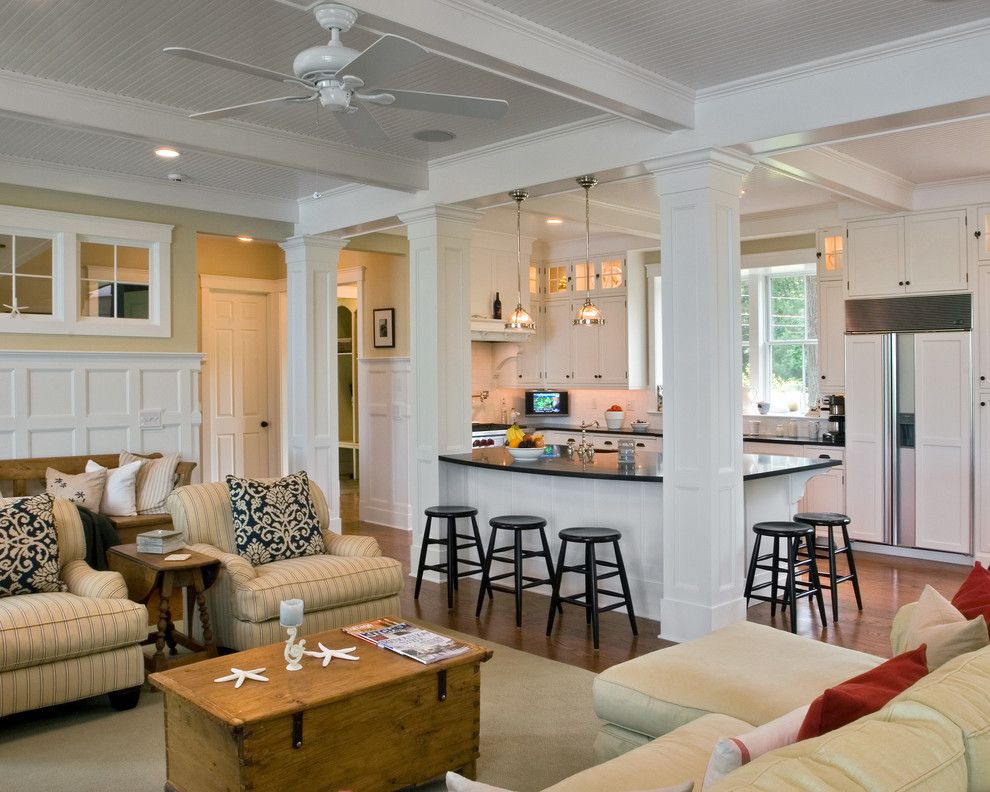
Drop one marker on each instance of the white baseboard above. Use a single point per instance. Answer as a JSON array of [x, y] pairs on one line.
[[393, 518]]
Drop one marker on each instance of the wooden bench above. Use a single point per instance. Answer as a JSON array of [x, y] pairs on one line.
[[20, 477]]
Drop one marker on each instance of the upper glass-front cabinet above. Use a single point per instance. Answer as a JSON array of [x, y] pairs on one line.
[[603, 275], [831, 253]]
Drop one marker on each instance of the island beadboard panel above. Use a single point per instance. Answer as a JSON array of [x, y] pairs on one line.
[[71, 403]]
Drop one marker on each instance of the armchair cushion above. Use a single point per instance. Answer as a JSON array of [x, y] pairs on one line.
[[42, 628], [28, 547], [320, 581], [274, 521]]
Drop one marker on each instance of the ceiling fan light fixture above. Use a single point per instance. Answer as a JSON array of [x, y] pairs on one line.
[[434, 135]]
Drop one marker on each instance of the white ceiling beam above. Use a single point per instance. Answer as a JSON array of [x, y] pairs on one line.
[[69, 106], [845, 175], [489, 38]]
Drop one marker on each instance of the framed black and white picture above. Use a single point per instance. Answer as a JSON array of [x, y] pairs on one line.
[[384, 327]]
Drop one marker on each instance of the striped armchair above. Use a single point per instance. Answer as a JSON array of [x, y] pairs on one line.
[[64, 646], [353, 582]]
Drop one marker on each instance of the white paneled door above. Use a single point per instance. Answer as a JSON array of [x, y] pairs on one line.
[[239, 384]]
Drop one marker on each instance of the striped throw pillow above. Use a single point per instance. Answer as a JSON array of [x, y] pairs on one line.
[[155, 480]]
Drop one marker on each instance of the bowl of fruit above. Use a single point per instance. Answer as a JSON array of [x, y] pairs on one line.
[[614, 417], [523, 446]]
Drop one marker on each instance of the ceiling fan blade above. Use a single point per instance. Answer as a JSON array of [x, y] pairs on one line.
[[224, 112], [227, 63], [471, 106], [361, 126], [387, 56]]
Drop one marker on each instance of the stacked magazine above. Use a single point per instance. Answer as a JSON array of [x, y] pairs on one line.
[[408, 640]]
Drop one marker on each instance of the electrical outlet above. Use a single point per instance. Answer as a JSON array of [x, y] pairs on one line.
[[150, 419], [629, 405]]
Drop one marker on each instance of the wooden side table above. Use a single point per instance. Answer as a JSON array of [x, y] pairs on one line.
[[196, 574]]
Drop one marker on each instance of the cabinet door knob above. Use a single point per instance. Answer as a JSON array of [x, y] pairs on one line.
[[264, 424], [907, 283], [900, 283], [983, 379], [823, 376], [824, 456], [640, 445], [983, 404]]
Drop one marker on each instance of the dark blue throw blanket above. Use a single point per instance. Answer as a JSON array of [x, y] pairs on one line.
[[100, 536]]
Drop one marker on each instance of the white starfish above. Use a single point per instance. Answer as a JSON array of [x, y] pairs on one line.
[[15, 309], [240, 676], [330, 654]]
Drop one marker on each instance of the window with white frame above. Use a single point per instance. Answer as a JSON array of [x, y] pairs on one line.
[[83, 275], [779, 337]]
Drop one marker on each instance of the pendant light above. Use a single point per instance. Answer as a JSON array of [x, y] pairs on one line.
[[519, 319], [588, 313]]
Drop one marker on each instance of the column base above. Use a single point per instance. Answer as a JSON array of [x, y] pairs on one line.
[[683, 621]]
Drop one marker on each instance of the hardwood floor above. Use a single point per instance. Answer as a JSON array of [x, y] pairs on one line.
[[886, 582]]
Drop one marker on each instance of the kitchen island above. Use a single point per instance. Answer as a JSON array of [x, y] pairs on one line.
[[568, 493]]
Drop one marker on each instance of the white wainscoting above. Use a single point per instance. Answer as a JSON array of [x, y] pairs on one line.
[[383, 432], [71, 403]]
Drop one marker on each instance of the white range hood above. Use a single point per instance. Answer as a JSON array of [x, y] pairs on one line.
[[494, 330]]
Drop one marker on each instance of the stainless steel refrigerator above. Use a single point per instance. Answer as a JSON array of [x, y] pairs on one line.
[[909, 422]]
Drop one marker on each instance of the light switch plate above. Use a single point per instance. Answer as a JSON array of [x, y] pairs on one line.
[[150, 419]]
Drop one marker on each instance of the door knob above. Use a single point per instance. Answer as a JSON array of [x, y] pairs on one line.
[[264, 424]]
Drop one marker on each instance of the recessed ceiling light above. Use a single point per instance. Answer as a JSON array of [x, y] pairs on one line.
[[245, 238], [553, 221], [742, 192], [434, 135], [166, 153]]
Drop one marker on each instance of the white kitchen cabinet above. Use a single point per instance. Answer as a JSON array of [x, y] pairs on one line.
[[558, 321], [831, 253], [982, 371], [613, 341], [982, 231], [529, 363], [831, 335], [911, 254]]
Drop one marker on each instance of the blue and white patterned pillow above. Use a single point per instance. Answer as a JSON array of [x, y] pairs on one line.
[[274, 521], [28, 547]]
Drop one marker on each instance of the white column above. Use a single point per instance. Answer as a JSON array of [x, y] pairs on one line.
[[440, 348], [703, 519], [311, 414]]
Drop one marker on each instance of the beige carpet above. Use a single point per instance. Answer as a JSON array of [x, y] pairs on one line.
[[537, 727]]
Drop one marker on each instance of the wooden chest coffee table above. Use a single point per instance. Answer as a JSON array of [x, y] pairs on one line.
[[381, 723]]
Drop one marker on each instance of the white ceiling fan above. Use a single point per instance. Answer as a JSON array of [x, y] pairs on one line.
[[341, 79]]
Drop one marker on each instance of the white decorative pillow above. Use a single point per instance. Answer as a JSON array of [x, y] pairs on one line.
[[83, 489], [458, 783], [154, 481], [731, 753], [119, 494], [938, 623]]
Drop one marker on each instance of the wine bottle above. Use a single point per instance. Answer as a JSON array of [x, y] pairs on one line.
[[497, 308]]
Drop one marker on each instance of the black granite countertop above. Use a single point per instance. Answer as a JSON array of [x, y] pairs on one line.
[[655, 433], [648, 467]]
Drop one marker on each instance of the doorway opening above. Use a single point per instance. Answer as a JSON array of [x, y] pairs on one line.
[[348, 348]]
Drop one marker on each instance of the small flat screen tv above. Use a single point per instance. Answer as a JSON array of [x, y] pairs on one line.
[[546, 403]]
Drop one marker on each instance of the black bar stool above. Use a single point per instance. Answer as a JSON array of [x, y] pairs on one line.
[[794, 534], [590, 537], [829, 550], [450, 566], [517, 523]]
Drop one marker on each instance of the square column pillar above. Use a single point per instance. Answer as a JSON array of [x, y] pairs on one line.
[[440, 348], [703, 519], [311, 409]]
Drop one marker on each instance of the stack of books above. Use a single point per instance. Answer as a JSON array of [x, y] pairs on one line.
[[160, 542]]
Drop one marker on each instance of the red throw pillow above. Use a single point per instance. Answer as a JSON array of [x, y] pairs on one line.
[[863, 694], [973, 597]]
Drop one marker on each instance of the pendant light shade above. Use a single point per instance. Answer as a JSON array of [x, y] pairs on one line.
[[519, 319], [588, 313]]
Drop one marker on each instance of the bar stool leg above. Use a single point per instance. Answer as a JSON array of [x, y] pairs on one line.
[[852, 567], [593, 592], [486, 571], [481, 549], [555, 595], [751, 574], [625, 587], [549, 558], [518, 562], [814, 578], [451, 561], [422, 556], [773, 579], [832, 574], [791, 587]]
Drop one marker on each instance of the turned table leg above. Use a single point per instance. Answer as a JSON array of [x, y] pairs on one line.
[[204, 614]]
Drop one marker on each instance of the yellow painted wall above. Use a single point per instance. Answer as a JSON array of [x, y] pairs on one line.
[[386, 285], [230, 257], [185, 286]]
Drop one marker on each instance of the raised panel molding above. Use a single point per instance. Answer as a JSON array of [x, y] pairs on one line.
[[384, 436], [70, 403]]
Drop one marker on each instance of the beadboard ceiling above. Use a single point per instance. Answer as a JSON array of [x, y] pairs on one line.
[[114, 47]]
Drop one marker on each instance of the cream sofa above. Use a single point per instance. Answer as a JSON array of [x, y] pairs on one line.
[[664, 712], [63, 646], [353, 582]]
